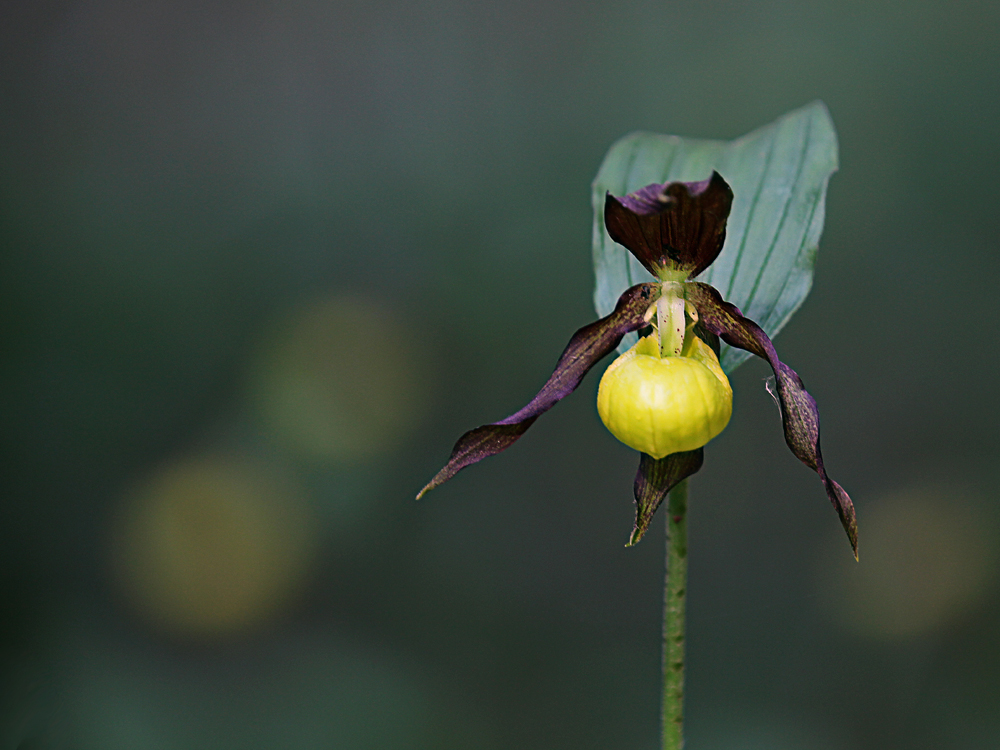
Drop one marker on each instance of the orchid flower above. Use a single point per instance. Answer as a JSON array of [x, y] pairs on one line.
[[667, 396]]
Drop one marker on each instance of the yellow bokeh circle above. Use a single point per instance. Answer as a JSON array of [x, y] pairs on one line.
[[927, 560], [212, 546], [339, 379]]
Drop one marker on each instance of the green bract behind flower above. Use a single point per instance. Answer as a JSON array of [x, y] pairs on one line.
[[665, 405]]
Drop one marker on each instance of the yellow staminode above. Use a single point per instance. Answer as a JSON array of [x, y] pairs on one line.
[[665, 405]]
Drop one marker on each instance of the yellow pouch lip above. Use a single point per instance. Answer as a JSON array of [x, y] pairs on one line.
[[643, 410]]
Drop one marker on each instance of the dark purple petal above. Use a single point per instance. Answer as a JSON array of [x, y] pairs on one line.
[[655, 478], [799, 414], [676, 224], [588, 345]]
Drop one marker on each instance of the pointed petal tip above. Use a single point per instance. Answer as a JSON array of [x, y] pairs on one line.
[[435, 482], [845, 509], [849, 522]]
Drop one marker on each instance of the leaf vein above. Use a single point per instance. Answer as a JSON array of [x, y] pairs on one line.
[[767, 326], [784, 214], [750, 215]]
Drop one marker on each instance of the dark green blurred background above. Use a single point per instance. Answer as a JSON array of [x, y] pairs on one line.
[[263, 262]]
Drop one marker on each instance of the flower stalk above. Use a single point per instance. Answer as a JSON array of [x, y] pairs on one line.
[[674, 606], [672, 329]]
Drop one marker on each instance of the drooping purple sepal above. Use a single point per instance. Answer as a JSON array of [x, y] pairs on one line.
[[654, 479], [676, 225], [799, 414], [588, 345]]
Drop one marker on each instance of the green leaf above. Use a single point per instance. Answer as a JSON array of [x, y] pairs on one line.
[[779, 175]]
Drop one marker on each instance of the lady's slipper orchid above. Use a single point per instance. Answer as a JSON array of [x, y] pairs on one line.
[[667, 396]]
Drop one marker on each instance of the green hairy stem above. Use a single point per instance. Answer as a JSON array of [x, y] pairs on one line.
[[674, 599]]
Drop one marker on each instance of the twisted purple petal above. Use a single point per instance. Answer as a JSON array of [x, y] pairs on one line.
[[799, 414], [588, 345]]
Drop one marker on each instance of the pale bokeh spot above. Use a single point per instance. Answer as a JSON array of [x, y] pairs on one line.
[[339, 379], [928, 557], [212, 546]]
